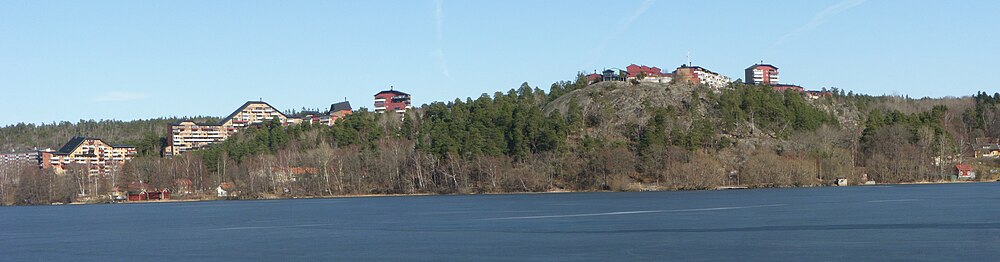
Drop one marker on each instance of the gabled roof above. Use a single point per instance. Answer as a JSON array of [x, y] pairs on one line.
[[244, 106], [76, 141], [340, 106], [73, 143], [963, 167], [195, 123], [392, 91]]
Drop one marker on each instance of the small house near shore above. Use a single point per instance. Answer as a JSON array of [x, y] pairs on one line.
[[965, 172]]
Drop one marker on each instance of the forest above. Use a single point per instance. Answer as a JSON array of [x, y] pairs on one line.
[[576, 137]]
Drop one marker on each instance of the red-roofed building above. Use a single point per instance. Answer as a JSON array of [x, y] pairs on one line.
[[635, 70], [965, 171], [593, 78], [782, 88]]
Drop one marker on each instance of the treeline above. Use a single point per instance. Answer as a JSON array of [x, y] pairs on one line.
[[769, 110], [506, 142], [146, 133]]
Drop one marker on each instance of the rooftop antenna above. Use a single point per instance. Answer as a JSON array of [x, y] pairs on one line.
[[688, 56]]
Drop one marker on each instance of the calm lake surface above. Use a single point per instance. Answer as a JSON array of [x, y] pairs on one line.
[[953, 222]]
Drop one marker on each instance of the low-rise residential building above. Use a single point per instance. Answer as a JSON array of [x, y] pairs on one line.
[[987, 147], [226, 189], [92, 154], [392, 100], [32, 157], [337, 111], [965, 172], [188, 135], [644, 73], [593, 78], [613, 74]]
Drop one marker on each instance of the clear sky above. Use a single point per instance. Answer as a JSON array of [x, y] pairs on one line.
[[71, 60]]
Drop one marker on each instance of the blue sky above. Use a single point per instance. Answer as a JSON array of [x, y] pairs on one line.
[[71, 60]]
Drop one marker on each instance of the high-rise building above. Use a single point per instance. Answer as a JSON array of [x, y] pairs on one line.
[[392, 100], [761, 74]]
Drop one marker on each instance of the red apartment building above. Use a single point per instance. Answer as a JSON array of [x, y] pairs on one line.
[[392, 100], [765, 74], [761, 74]]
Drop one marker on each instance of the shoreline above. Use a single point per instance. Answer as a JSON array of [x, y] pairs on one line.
[[499, 193]]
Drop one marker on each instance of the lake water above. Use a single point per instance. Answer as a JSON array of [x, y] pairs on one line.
[[953, 222]]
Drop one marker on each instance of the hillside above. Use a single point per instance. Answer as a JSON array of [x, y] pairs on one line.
[[607, 136], [614, 109], [612, 106]]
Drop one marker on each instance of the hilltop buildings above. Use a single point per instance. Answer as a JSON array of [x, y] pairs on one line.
[[337, 111], [641, 73], [392, 100], [189, 135]]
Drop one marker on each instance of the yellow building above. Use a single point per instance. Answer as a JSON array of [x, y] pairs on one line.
[[93, 154], [188, 135]]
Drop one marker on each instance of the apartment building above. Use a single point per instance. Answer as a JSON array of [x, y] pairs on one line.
[[253, 113], [392, 100], [761, 74], [94, 155], [32, 157], [187, 135]]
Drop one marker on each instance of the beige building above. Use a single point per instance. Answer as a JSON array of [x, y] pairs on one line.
[[188, 135], [251, 113], [92, 154]]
